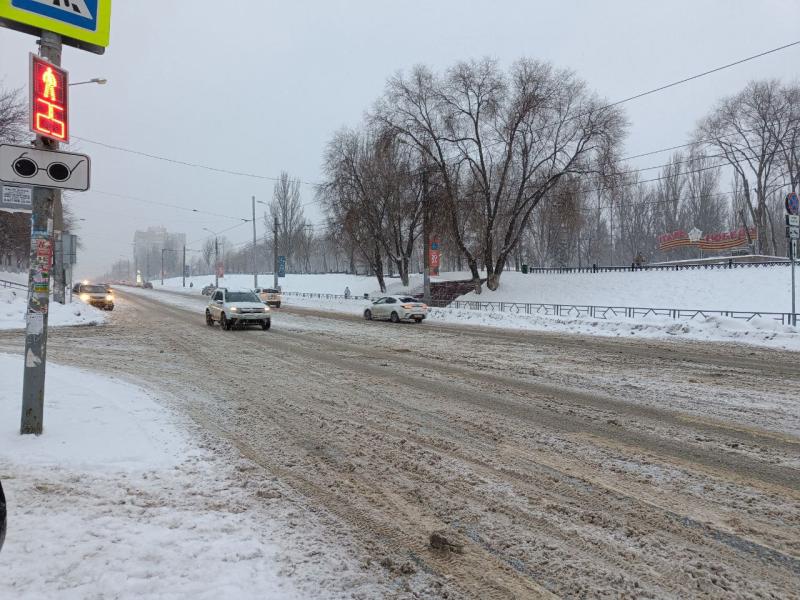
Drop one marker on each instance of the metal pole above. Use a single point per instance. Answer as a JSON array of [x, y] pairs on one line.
[[162, 267], [275, 254], [426, 241], [216, 261], [255, 262], [612, 231], [793, 254], [184, 266], [39, 278]]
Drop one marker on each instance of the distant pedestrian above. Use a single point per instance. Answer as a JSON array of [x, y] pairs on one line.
[[639, 261], [347, 292]]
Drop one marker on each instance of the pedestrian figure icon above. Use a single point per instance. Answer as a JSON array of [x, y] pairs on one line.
[[50, 82]]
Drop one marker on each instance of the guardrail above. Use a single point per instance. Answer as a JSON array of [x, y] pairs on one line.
[[676, 267], [13, 285], [583, 310]]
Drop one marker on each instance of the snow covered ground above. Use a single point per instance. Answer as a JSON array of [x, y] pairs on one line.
[[119, 500], [14, 304], [757, 289], [330, 283], [764, 289]]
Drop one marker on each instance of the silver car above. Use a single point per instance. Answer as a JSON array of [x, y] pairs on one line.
[[396, 309], [237, 308]]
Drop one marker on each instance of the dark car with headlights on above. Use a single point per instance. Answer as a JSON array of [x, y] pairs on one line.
[[96, 294]]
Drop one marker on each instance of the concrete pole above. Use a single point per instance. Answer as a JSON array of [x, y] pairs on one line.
[[39, 278], [255, 261], [162, 266], [275, 253], [216, 261], [183, 273]]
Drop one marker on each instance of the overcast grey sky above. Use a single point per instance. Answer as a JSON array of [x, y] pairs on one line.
[[260, 86]]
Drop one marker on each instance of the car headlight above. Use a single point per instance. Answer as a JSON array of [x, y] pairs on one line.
[[266, 309], [109, 297], [234, 309], [84, 297]]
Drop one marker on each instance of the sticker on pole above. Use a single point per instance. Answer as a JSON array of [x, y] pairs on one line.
[[85, 24], [15, 199], [44, 168]]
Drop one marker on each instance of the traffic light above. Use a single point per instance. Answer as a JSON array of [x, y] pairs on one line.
[[49, 100]]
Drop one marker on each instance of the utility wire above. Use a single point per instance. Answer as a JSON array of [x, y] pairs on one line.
[[655, 90]]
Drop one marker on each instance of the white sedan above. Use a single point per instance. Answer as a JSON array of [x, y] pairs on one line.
[[396, 309]]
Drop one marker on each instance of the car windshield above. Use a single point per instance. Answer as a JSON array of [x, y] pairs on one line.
[[241, 297], [271, 291], [94, 289]]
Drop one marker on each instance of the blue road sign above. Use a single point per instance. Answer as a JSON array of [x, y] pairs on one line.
[[80, 13], [281, 266]]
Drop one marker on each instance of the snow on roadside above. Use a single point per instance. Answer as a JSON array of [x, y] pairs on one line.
[[14, 304], [322, 283], [758, 332], [116, 499]]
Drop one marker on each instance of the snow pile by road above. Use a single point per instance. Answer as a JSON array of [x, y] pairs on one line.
[[327, 283], [764, 289], [14, 304], [760, 332], [757, 289], [116, 501]]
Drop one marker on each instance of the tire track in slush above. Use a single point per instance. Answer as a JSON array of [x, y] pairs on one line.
[[741, 543]]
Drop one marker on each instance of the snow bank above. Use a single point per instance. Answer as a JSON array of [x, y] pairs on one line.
[[330, 283], [759, 332], [756, 289], [14, 304], [116, 501]]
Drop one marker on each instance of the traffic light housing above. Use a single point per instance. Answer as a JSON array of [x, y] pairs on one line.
[[49, 105]]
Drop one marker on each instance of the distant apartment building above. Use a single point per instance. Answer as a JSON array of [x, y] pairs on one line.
[[157, 246]]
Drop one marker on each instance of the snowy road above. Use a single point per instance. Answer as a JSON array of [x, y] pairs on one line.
[[559, 465]]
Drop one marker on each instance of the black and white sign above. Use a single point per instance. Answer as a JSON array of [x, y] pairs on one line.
[[16, 199], [44, 168]]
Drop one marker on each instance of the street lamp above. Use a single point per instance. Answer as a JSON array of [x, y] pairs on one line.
[[216, 255], [97, 80], [162, 262]]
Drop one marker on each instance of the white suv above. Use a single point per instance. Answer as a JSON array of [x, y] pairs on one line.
[[237, 308]]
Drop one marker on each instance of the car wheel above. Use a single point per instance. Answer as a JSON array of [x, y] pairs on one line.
[[224, 324], [368, 315], [417, 320], [209, 319], [395, 317], [266, 324]]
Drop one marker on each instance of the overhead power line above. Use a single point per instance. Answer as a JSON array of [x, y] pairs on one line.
[[655, 90], [185, 163]]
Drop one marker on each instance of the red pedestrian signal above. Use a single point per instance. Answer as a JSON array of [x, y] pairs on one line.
[[49, 100]]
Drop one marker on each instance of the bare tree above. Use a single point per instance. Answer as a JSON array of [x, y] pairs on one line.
[[286, 206], [13, 115], [500, 144], [750, 129]]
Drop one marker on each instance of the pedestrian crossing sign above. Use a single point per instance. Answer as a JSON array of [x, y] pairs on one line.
[[84, 24]]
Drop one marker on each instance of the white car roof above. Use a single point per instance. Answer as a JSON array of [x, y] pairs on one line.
[[250, 290]]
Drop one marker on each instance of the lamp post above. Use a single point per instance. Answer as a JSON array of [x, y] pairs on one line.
[[162, 262], [216, 255], [97, 80]]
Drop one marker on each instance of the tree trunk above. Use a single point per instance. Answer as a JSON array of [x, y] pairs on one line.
[[377, 266], [402, 269], [476, 275]]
